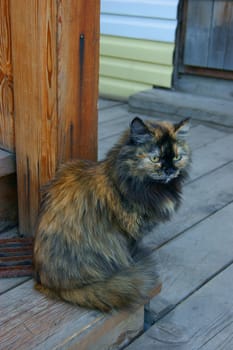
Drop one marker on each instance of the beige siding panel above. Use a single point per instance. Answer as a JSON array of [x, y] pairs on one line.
[[120, 89], [139, 50], [141, 72]]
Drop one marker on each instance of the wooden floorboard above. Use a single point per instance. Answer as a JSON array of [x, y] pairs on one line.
[[212, 156], [7, 284], [203, 321], [29, 320], [115, 126], [188, 261], [108, 115], [194, 259], [104, 103]]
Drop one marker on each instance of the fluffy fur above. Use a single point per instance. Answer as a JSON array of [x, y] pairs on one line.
[[93, 215]]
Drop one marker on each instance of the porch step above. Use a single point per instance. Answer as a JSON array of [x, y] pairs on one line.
[[29, 320], [8, 191], [172, 103]]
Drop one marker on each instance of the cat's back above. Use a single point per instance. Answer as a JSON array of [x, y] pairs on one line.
[[76, 188], [71, 205], [72, 176]]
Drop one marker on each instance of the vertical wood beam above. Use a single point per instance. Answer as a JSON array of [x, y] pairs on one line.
[[7, 140], [78, 69], [55, 91]]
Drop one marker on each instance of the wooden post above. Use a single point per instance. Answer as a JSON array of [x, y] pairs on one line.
[[55, 48], [6, 80]]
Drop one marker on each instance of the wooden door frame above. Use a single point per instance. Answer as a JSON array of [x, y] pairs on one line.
[[179, 67]]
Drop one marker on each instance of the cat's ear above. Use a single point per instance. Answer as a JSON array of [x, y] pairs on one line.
[[182, 128], [139, 131]]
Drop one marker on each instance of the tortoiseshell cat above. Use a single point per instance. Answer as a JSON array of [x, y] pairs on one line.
[[93, 216]]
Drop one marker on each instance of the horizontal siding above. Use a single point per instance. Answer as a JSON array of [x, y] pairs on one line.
[[129, 65], [136, 71], [139, 50], [141, 8], [137, 45], [121, 89], [138, 27]]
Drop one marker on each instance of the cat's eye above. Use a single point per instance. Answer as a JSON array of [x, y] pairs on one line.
[[154, 159], [177, 158]]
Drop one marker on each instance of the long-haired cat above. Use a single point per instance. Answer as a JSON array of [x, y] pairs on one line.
[[87, 245]]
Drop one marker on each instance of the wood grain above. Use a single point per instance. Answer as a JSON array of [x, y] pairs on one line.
[[228, 56], [197, 35], [78, 64], [190, 260], [6, 80], [55, 90], [203, 321], [10, 283], [30, 320], [34, 33], [208, 40], [220, 41]]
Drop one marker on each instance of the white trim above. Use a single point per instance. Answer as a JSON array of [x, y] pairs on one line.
[[138, 27], [166, 9]]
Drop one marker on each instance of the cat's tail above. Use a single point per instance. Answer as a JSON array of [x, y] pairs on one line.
[[123, 290]]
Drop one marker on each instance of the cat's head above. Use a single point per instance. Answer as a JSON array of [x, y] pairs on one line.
[[157, 150]]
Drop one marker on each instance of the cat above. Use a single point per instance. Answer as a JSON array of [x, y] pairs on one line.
[[93, 216]]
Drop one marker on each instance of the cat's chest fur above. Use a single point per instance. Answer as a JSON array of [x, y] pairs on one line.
[[151, 203], [155, 200]]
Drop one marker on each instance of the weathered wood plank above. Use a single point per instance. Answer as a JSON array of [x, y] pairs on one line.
[[104, 103], [228, 58], [198, 32], [203, 321], [172, 102], [107, 115], [201, 135], [7, 136], [9, 283], [212, 156], [30, 320], [114, 333], [115, 126], [190, 260], [201, 199], [222, 22]]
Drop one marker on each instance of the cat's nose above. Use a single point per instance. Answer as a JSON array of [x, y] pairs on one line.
[[170, 171]]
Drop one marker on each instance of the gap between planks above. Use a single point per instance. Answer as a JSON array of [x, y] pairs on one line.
[[203, 321]]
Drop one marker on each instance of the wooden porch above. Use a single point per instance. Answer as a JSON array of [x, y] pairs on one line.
[[194, 259]]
